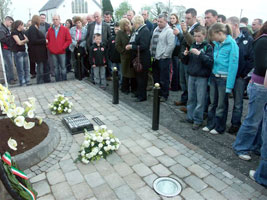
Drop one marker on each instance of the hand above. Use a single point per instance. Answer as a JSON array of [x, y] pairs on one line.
[[195, 51], [184, 27], [93, 66], [128, 47], [46, 41], [186, 52], [176, 31]]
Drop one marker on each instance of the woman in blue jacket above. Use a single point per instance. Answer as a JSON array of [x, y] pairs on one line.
[[222, 80]]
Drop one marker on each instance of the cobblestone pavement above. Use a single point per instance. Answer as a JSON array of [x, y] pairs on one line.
[[143, 156]]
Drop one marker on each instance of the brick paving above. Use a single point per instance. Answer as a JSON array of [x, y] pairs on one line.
[[143, 156]]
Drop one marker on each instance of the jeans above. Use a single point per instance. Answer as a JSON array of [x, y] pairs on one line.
[[183, 82], [161, 74], [40, 72], [249, 135], [175, 73], [197, 92], [261, 172], [100, 75], [218, 107], [60, 67], [23, 68], [7, 55]]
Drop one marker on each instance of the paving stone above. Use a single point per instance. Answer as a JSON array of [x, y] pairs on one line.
[[128, 143], [148, 160], [47, 197], [170, 151], [150, 179], [114, 180], [228, 175], [62, 190], [146, 193], [166, 160], [154, 151], [186, 162], [130, 159], [210, 193], [42, 188], [190, 194], [55, 177], [228, 181], [124, 192], [141, 169], [134, 181], [160, 170], [232, 194], [160, 144], [104, 192], [67, 165], [94, 179], [137, 150], [82, 191], [216, 183], [114, 159], [38, 178], [196, 183], [180, 171], [199, 171], [86, 168], [172, 198], [248, 188], [74, 177], [122, 150], [103, 167], [144, 143], [123, 169]]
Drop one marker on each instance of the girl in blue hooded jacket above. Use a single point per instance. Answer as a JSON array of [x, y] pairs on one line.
[[222, 80]]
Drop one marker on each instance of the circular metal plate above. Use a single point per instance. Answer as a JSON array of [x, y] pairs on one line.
[[167, 187]]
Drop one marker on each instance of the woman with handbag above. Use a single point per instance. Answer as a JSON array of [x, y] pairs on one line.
[[139, 45], [77, 47]]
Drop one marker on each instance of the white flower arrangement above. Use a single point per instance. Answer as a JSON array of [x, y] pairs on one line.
[[98, 144], [60, 105]]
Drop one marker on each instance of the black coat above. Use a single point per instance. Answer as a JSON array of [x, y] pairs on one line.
[[142, 39], [260, 52], [37, 45], [5, 36], [113, 54], [199, 65], [98, 55]]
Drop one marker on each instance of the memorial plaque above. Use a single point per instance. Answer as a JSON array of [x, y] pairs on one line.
[[77, 123]]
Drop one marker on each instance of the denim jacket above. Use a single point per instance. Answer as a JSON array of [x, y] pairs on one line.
[[226, 55], [74, 40]]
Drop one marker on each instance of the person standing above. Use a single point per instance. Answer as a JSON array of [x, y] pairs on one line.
[[145, 15], [5, 39], [256, 26], [58, 39], [69, 64]]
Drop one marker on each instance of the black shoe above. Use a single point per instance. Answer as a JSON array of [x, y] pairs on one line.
[[139, 100], [233, 130], [196, 126], [186, 121]]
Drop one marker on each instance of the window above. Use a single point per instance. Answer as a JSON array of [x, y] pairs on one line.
[[79, 6]]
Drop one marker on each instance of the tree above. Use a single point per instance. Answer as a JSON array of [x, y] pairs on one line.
[[122, 9], [107, 6], [4, 8]]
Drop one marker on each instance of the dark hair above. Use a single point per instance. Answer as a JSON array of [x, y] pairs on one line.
[[9, 18], [117, 24], [108, 13], [76, 19], [244, 20], [201, 29], [219, 27], [222, 17], [192, 11], [263, 30], [43, 14], [16, 24], [260, 21], [213, 12], [97, 35], [177, 19], [70, 21]]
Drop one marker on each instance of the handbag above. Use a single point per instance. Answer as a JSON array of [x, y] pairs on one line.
[[136, 61]]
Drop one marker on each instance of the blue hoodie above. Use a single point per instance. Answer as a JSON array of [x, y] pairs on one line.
[[226, 55]]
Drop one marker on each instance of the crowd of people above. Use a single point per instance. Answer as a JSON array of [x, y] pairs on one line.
[[208, 59]]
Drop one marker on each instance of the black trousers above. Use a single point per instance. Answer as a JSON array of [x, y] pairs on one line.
[[141, 80]]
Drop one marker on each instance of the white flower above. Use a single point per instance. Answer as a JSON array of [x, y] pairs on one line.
[[99, 139], [117, 146], [30, 114], [112, 148], [92, 143], [82, 153], [11, 113], [19, 121], [69, 111], [86, 144], [105, 148], [28, 125], [12, 144], [112, 140], [59, 108], [105, 135], [95, 150], [71, 104], [19, 110], [53, 113], [110, 131], [94, 138], [40, 120], [85, 161], [27, 104], [32, 100], [107, 142], [103, 127], [100, 145], [62, 102], [96, 128], [100, 152], [55, 108]]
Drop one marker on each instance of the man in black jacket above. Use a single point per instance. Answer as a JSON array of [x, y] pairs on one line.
[[5, 39], [245, 65]]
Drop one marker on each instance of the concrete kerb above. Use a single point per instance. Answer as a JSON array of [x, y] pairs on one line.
[[41, 151]]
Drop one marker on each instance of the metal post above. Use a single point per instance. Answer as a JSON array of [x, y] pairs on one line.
[[3, 65], [115, 76], [156, 107], [79, 66]]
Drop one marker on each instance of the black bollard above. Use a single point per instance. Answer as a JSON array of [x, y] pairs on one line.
[[79, 66], [115, 76], [156, 108]]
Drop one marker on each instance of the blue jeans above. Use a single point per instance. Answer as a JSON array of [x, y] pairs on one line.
[[197, 92], [175, 73], [100, 75], [183, 82], [238, 101], [60, 67], [7, 55], [261, 172], [218, 106], [249, 135], [161, 74], [40, 72], [23, 68]]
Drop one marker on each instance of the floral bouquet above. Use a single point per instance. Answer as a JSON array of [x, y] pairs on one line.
[[60, 105], [98, 144]]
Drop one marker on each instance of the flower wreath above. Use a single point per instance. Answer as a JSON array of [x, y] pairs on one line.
[[17, 182]]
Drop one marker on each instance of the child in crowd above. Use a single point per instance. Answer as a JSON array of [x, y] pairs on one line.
[[199, 61], [98, 61], [222, 80]]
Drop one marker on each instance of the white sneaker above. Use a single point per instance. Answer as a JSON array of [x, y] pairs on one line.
[[251, 174], [206, 129], [244, 157], [214, 132]]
